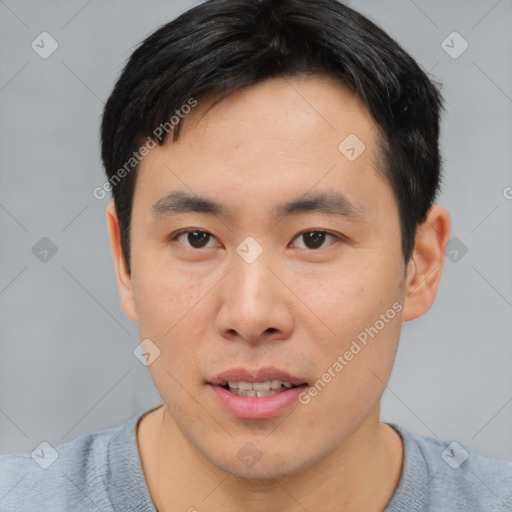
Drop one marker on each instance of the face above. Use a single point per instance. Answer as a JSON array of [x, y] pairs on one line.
[[289, 269]]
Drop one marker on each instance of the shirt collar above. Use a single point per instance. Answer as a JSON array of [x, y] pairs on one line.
[[125, 480], [412, 490], [128, 490]]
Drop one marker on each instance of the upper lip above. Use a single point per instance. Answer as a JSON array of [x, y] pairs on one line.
[[258, 375]]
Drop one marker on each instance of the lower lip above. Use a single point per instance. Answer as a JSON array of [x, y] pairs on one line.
[[257, 408]]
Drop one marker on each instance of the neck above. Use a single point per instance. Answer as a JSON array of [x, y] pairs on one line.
[[362, 474]]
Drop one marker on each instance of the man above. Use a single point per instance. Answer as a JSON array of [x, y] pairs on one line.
[[274, 166]]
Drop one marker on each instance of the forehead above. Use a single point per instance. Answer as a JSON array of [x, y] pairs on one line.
[[295, 111], [276, 136]]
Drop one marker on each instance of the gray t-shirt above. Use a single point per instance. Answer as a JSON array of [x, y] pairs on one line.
[[102, 471]]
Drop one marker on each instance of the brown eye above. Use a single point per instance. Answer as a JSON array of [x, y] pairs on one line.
[[198, 239], [314, 239], [194, 239]]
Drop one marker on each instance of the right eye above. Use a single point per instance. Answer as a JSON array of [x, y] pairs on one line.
[[194, 239]]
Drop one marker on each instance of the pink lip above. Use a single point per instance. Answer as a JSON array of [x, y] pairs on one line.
[[261, 375], [257, 408]]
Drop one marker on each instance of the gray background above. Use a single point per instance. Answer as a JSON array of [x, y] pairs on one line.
[[67, 365]]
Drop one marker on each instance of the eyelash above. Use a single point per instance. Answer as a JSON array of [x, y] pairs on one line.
[[337, 237]]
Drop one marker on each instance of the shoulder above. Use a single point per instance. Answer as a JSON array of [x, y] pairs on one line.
[[70, 476], [455, 477]]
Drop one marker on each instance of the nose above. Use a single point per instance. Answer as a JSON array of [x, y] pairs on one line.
[[256, 306]]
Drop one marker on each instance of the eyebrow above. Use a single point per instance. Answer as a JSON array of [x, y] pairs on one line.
[[330, 203]]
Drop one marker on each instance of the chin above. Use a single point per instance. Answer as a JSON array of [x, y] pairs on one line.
[[248, 463], [261, 472]]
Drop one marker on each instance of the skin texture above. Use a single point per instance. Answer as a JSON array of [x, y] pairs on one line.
[[294, 308]]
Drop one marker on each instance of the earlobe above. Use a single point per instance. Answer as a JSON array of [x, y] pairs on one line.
[[124, 278], [426, 265]]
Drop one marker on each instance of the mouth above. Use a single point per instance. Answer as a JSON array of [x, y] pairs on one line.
[[259, 389], [257, 383], [259, 394]]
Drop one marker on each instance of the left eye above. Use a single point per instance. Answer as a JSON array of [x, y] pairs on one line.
[[314, 239]]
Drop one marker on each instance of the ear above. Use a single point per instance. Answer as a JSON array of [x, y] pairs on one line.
[[426, 264], [124, 279]]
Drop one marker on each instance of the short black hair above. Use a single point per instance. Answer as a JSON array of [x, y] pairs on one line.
[[221, 46]]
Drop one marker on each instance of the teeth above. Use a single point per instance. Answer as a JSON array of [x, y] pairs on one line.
[[261, 386], [275, 384], [267, 392], [253, 393], [270, 387]]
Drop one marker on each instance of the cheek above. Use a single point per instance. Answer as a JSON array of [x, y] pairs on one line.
[[356, 327], [165, 299], [344, 302], [172, 315], [167, 317]]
